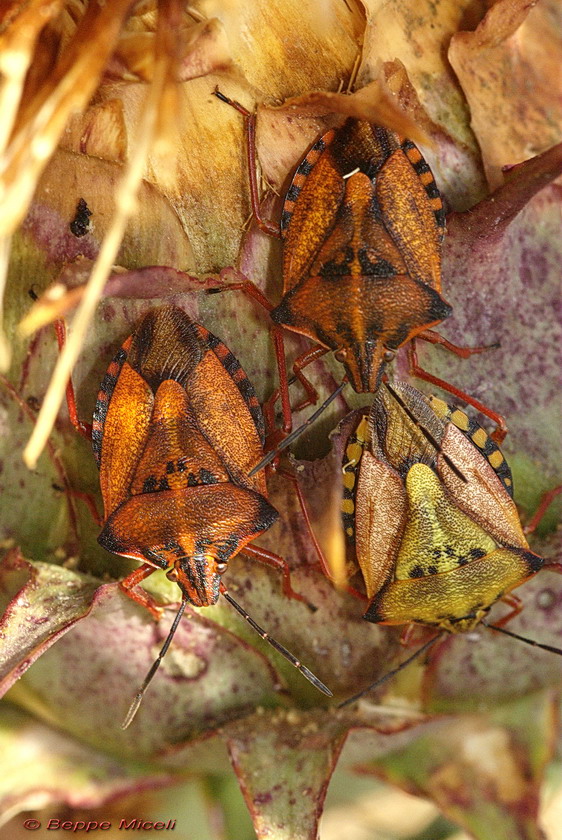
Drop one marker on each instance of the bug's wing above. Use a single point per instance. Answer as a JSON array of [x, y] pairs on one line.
[[176, 454], [222, 415], [482, 496], [381, 509], [410, 218], [168, 345], [313, 217], [125, 431]]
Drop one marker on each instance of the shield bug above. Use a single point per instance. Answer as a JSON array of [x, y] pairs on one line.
[[428, 505], [362, 226], [176, 428], [454, 544]]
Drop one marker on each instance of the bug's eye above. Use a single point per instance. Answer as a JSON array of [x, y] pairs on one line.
[[389, 355], [340, 356], [172, 574], [221, 568]]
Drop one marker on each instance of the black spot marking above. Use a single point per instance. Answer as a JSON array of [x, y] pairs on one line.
[[231, 363], [416, 572], [339, 267], [245, 387], [440, 217], [285, 219], [174, 547], [432, 570], [150, 484], [377, 268], [154, 557], [170, 467], [206, 477]]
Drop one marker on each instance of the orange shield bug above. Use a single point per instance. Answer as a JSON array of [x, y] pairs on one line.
[[428, 505], [362, 227], [176, 428]]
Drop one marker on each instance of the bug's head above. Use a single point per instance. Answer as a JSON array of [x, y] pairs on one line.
[[198, 577], [365, 364]]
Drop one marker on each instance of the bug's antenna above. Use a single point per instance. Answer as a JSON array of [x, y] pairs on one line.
[[296, 432], [392, 673], [133, 708], [425, 432], [279, 647], [531, 642]]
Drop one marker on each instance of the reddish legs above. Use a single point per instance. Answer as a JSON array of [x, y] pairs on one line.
[[250, 125], [546, 499], [278, 563], [415, 370], [516, 605], [463, 352], [301, 362], [88, 501], [251, 290], [302, 503], [84, 429], [141, 596]]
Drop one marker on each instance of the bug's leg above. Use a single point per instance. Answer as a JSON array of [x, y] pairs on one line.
[[86, 498], [463, 352], [413, 635], [516, 605], [545, 502], [266, 225], [84, 429], [31, 350], [324, 565], [311, 355], [281, 565], [302, 361], [129, 586], [498, 434]]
